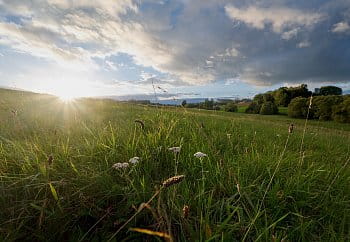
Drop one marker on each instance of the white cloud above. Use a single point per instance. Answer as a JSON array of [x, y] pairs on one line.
[[341, 27], [290, 34], [304, 44], [111, 65], [279, 18]]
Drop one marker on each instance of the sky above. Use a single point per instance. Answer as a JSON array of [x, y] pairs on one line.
[[176, 48]]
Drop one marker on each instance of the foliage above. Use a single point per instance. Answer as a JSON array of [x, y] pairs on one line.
[[322, 108], [298, 107], [268, 108], [330, 90], [263, 104], [341, 112], [284, 95], [253, 108], [231, 107]]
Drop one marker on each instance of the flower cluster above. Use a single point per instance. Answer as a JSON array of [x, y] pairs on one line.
[[120, 165], [134, 160], [125, 165], [199, 154]]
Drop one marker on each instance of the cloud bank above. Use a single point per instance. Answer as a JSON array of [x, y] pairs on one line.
[[192, 42]]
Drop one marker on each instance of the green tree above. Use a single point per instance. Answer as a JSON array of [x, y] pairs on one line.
[[282, 97], [253, 108], [231, 107], [330, 90], [298, 107], [259, 99], [341, 112], [322, 106], [268, 108]]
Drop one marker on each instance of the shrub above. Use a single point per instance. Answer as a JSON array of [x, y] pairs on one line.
[[268, 108], [298, 107], [322, 106], [259, 99], [341, 112], [267, 97], [216, 107], [253, 108], [231, 107]]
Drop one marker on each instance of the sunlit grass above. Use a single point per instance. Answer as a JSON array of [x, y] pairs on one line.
[[252, 184]]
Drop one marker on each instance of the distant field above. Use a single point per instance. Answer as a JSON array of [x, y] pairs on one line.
[[257, 183]]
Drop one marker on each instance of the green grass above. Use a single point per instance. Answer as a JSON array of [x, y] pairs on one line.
[[257, 183]]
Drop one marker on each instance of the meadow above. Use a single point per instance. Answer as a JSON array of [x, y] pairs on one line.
[[258, 182]]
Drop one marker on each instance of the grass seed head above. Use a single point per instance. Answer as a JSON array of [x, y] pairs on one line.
[[173, 180], [142, 123], [290, 129], [310, 103], [185, 211], [175, 149], [50, 160]]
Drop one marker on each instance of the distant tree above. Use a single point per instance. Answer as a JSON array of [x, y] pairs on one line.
[[259, 99], [341, 112], [183, 104], [282, 97], [330, 90], [253, 108], [268, 97], [216, 107], [298, 107], [268, 108], [231, 107], [322, 106]]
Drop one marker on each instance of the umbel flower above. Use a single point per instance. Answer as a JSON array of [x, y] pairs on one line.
[[118, 165], [175, 149], [134, 160], [124, 165], [199, 154]]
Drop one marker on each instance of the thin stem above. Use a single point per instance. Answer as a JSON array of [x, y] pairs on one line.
[[135, 214]]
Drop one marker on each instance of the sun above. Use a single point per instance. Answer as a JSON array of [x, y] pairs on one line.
[[69, 90], [67, 97]]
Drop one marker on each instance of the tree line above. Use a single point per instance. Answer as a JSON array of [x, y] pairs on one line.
[[326, 103]]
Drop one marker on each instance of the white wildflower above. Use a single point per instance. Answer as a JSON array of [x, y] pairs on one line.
[[200, 154], [175, 149], [134, 160], [120, 165]]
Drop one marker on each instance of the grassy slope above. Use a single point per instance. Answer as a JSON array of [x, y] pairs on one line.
[[282, 192]]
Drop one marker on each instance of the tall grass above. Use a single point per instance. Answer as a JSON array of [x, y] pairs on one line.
[[249, 187]]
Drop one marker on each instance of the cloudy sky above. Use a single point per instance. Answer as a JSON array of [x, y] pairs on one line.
[[190, 47]]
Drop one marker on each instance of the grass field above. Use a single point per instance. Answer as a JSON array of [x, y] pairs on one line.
[[257, 183]]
